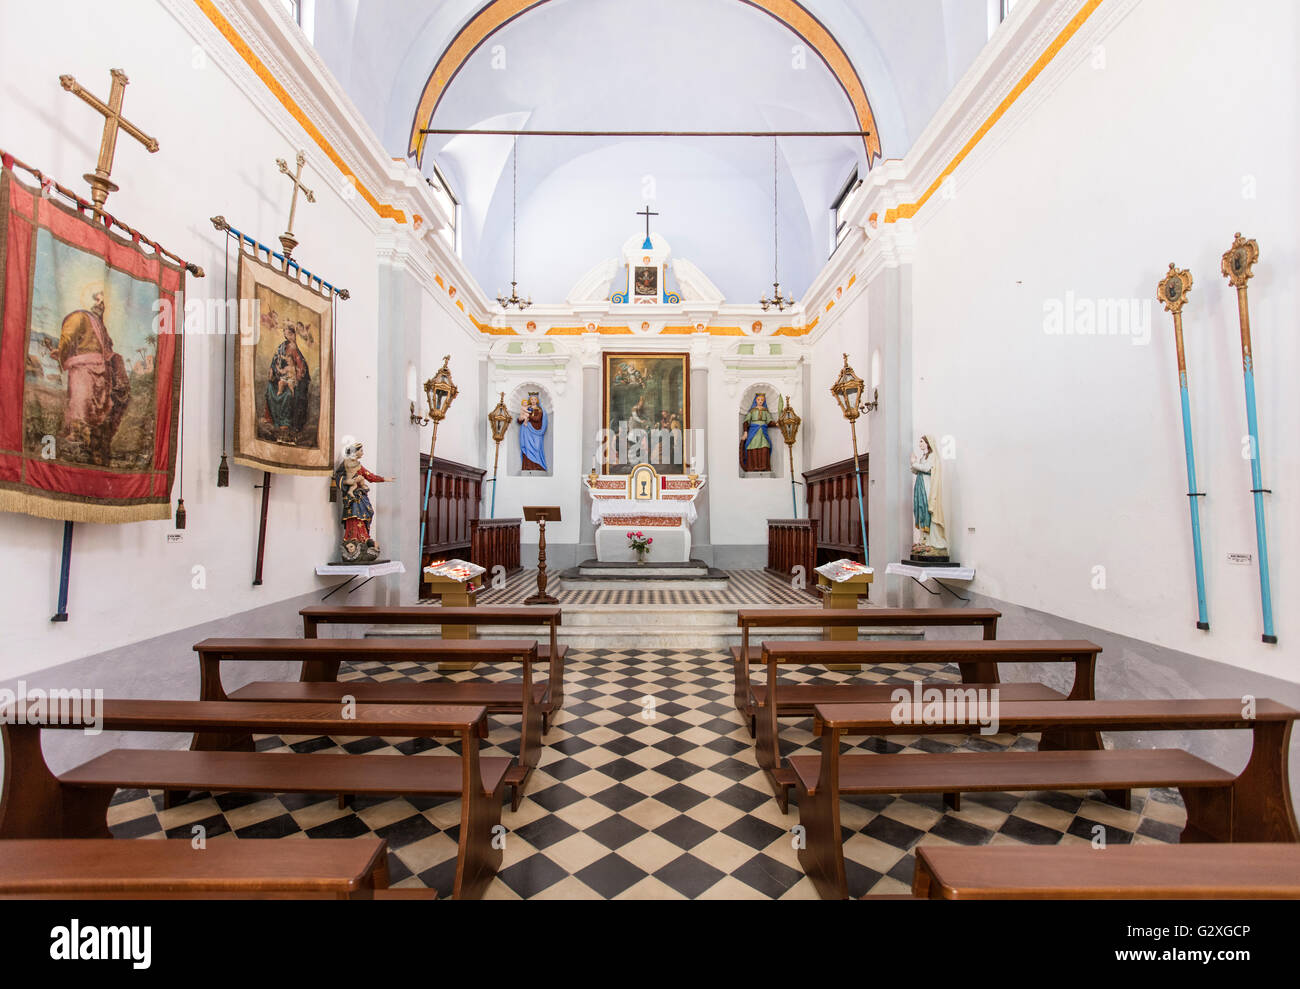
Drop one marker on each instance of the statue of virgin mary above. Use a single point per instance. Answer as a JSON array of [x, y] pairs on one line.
[[929, 535]]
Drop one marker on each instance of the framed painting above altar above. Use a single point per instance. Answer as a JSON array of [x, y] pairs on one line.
[[646, 410]]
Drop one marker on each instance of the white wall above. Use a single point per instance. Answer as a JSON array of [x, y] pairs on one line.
[[218, 152], [1180, 129], [846, 332]]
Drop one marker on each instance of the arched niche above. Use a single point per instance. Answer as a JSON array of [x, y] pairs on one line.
[[512, 451], [773, 399]]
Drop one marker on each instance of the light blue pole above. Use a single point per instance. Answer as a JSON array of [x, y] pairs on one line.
[[1257, 489], [492, 512], [1238, 265], [1172, 291], [428, 486], [1203, 620], [857, 482]]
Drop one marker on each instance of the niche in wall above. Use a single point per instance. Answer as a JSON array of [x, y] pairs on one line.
[[512, 450], [777, 457]]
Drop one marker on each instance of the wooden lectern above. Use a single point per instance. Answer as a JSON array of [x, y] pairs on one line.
[[541, 515], [844, 594]]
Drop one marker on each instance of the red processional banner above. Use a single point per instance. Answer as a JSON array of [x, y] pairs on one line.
[[90, 365]]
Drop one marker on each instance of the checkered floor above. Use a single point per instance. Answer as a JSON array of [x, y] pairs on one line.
[[625, 805]]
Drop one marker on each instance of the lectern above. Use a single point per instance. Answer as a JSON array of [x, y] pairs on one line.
[[541, 515]]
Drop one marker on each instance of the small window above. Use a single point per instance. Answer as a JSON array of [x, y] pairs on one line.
[[294, 9], [847, 196], [442, 192]]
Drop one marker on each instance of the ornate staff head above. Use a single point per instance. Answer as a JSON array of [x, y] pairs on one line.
[[1173, 288], [1239, 261]]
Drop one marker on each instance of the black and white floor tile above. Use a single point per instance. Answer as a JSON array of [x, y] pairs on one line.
[[648, 788]]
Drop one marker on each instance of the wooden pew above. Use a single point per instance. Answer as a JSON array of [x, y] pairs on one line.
[[800, 700], [523, 698], [35, 803], [172, 869], [1117, 872], [747, 618], [1252, 807], [534, 615]]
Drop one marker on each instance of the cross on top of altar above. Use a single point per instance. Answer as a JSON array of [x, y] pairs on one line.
[[647, 213]]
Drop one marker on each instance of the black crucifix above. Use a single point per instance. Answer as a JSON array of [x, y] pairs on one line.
[[288, 242], [647, 213], [100, 184]]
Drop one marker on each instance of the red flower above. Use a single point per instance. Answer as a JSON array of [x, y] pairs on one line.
[[651, 539]]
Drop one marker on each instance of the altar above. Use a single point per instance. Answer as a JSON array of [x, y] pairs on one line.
[[659, 506]]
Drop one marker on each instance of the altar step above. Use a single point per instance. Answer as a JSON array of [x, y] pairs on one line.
[[655, 627], [593, 575]]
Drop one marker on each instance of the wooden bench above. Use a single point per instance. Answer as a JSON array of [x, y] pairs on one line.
[[1252, 807], [747, 618], [35, 803], [1117, 872], [105, 869], [522, 697], [800, 699], [535, 615]]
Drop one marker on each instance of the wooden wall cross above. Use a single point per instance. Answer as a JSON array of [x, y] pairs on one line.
[[100, 183], [287, 239]]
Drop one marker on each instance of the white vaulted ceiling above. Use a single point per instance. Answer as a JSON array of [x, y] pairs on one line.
[[655, 65]]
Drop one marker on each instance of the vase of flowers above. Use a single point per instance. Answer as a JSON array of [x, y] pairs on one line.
[[639, 544]]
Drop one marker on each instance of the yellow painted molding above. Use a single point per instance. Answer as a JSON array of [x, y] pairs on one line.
[[496, 14], [905, 211], [281, 94]]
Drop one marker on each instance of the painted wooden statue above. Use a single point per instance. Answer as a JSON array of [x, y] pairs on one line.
[[929, 535], [755, 447], [358, 514], [533, 424]]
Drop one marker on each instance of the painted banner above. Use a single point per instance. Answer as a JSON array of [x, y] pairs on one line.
[[90, 365], [284, 373]]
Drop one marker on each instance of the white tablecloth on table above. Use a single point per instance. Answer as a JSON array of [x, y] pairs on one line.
[[656, 508], [925, 573], [669, 546]]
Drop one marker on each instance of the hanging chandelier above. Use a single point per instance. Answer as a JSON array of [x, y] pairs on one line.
[[514, 299], [777, 302]]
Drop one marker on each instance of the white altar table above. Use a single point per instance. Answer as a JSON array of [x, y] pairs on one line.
[[659, 506]]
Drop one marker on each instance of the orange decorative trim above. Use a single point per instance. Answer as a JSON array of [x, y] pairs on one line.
[[905, 211], [796, 331], [496, 14], [259, 67]]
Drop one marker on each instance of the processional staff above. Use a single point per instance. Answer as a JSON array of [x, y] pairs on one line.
[[1172, 291], [1238, 267]]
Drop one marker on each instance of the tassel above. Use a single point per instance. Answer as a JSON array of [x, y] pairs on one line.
[[180, 513], [223, 473]]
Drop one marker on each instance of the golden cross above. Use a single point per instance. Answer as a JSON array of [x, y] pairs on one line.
[[287, 239], [100, 185]]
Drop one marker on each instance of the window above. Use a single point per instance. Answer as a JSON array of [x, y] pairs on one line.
[[442, 192], [999, 11], [294, 9], [847, 196]]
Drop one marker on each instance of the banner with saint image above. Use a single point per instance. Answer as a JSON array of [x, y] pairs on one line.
[[90, 365], [284, 373]]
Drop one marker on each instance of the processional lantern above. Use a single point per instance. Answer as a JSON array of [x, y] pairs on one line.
[[499, 419], [848, 393], [788, 422], [439, 392]]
